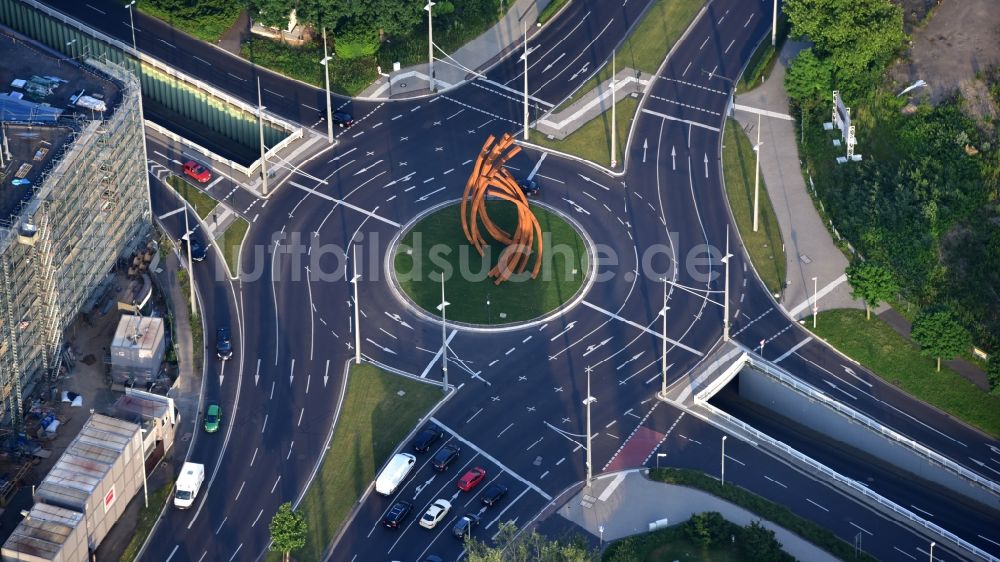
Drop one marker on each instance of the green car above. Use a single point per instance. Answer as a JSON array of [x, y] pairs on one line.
[[213, 418]]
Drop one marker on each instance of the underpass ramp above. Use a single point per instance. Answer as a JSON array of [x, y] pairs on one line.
[[709, 376]]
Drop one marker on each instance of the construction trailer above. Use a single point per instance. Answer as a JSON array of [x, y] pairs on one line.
[[158, 416], [137, 350], [47, 534], [98, 474]]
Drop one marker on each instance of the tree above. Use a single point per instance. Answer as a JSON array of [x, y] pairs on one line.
[[759, 543], [939, 335], [859, 37], [872, 283], [288, 530], [808, 77], [993, 373], [530, 548]]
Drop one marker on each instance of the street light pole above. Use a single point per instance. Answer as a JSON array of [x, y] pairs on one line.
[[663, 351], [260, 123], [614, 151], [430, 43], [725, 296], [590, 400], [187, 233], [815, 304], [723, 471], [658, 455], [444, 339], [131, 22], [932, 551], [525, 56], [329, 102], [357, 308], [774, 25], [756, 178]]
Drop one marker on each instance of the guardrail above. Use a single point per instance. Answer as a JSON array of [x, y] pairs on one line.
[[815, 394], [855, 485]]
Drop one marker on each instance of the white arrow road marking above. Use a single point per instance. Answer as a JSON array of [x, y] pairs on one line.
[[546, 69], [592, 348], [421, 487], [326, 375], [568, 328]]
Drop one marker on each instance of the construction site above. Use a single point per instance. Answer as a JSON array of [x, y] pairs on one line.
[[74, 218]]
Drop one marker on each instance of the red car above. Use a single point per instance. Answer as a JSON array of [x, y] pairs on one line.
[[471, 479], [197, 172]]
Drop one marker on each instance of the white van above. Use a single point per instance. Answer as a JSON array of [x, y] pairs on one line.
[[394, 473], [188, 484]]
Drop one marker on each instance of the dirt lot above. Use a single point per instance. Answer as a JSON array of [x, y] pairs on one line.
[[961, 38]]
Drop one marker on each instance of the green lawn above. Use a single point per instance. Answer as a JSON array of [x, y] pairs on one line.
[[764, 246], [897, 360], [650, 41], [201, 201], [373, 420], [519, 299], [231, 241], [147, 518], [593, 140]]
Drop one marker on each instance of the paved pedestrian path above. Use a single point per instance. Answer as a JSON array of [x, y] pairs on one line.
[[627, 502], [809, 248], [476, 55]]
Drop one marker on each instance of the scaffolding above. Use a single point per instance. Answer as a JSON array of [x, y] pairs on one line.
[[89, 207]]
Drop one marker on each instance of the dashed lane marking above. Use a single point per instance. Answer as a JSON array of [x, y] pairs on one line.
[[495, 461]]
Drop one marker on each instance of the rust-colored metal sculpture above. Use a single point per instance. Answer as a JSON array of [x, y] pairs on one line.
[[490, 178]]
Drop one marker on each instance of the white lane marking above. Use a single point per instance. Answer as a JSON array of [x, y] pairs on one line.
[[817, 505], [499, 515], [494, 460], [437, 355], [904, 552], [199, 59], [610, 489], [764, 112], [241, 486], [730, 46], [990, 540], [172, 552], [241, 544], [641, 327], [96, 9], [474, 415], [505, 430], [775, 481], [671, 118], [793, 349], [929, 514], [346, 204], [862, 528]]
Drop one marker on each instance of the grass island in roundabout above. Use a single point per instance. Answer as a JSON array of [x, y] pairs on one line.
[[435, 243]]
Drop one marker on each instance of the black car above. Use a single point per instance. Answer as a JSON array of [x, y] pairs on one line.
[[463, 528], [493, 493], [397, 514], [444, 457], [223, 344], [530, 187], [426, 438], [343, 119], [196, 248]]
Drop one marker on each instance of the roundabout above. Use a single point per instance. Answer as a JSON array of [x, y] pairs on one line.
[[433, 243]]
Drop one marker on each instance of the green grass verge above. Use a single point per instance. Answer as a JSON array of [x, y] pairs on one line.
[[468, 287], [347, 76], [231, 241], [897, 360], [374, 418], [551, 10], [593, 140], [648, 44], [147, 518], [764, 246], [766, 509], [197, 337], [763, 59], [205, 26], [201, 201]]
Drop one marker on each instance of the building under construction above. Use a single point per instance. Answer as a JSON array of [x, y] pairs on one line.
[[73, 198]]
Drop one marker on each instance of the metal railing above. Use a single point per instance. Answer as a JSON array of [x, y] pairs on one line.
[[815, 394], [855, 485]]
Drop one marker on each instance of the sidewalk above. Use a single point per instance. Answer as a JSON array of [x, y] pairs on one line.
[[626, 503], [186, 393], [809, 249], [475, 55]]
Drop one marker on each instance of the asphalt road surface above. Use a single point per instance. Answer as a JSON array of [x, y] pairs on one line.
[[518, 409]]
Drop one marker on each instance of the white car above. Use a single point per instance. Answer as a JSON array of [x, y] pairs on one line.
[[435, 513]]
